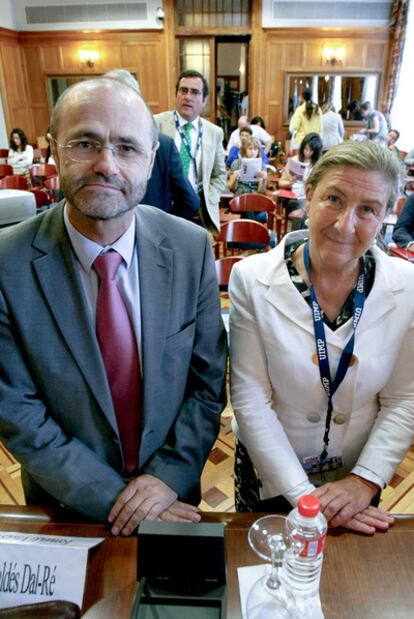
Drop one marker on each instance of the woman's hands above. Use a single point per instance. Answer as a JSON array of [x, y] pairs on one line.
[[346, 503]]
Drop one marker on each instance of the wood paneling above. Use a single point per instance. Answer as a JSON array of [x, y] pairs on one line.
[[294, 50], [31, 57]]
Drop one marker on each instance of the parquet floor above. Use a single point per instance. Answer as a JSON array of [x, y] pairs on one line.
[[217, 479]]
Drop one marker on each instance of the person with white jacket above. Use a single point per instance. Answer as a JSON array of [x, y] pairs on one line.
[[322, 340], [332, 126]]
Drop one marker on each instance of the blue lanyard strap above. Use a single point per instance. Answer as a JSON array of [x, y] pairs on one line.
[[186, 142], [322, 349]]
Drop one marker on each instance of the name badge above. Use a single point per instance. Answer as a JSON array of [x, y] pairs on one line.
[[41, 568], [312, 464]]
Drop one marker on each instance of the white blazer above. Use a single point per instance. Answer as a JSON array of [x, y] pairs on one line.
[[277, 395]]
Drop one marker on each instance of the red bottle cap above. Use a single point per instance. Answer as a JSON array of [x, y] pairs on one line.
[[309, 505]]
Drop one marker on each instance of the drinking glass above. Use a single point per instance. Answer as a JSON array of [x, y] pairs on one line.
[[269, 597]]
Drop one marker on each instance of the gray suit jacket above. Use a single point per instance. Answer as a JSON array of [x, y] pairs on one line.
[[56, 413], [213, 168]]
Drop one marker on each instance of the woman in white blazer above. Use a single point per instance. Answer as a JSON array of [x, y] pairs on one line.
[[279, 359]]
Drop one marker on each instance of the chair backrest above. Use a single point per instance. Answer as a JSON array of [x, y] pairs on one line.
[[242, 234], [400, 204], [5, 170], [52, 184], [40, 171], [223, 270], [252, 202], [14, 182], [42, 198], [4, 153]]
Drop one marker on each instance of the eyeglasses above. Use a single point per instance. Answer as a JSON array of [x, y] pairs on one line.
[[88, 150], [194, 92]]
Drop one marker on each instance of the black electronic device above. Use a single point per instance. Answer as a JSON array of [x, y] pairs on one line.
[[181, 571]]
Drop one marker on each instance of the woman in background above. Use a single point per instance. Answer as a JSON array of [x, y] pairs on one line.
[[20, 153], [307, 118], [332, 126]]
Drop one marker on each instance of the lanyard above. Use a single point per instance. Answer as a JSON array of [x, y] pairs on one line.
[[187, 144], [322, 349]]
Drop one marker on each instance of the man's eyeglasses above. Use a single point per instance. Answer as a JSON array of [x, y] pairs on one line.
[[194, 92], [88, 150]]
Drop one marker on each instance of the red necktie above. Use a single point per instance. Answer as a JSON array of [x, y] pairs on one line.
[[120, 356]]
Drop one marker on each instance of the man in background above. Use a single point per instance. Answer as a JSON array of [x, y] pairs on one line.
[[112, 349], [168, 187], [199, 142], [261, 134], [392, 138]]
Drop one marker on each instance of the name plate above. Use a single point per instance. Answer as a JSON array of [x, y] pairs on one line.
[[40, 568]]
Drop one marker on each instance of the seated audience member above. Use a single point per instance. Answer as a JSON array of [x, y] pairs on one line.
[[392, 138], [263, 136], [112, 386], [310, 151], [258, 120], [250, 149], [21, 153], [403, 234], [234, 153], [332, 126], [168, 187], [309, 321]]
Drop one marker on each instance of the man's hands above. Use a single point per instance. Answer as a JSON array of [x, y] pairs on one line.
[[346, 503], [148, 498]]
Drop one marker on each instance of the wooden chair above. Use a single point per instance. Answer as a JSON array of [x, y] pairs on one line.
[[5, 170], [40, 171], [52, 185], [223, 270], [241, 234], [42, 199], [256, 202], [14, 182]]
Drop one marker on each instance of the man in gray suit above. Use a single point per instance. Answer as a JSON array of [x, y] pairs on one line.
[[199, 142], [58, 412]]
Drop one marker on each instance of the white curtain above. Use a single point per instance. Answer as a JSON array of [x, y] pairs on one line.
[[401, 112]]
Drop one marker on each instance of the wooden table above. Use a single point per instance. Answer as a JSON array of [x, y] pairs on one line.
[[362, 578]]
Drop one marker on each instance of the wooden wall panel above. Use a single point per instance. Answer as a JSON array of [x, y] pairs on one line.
[[300, 50], [33, 57], [14, 85]]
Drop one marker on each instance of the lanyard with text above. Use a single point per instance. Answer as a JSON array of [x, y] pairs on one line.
[[187, 144], [321, 346]]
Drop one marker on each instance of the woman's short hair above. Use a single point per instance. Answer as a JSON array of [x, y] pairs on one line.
[[251, 142], [22, 136], [314, 141], [366, 155]]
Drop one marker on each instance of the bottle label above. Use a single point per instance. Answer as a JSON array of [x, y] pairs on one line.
[[313, 548]]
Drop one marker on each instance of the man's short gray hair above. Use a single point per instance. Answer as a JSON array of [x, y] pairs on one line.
[[366, 155]]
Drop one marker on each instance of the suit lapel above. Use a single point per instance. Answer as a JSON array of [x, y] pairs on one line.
[[59, 280], [155, 263]]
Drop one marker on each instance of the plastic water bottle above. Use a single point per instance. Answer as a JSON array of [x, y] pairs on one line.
[[308, 525]]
